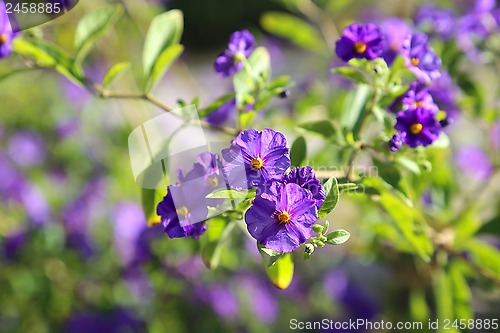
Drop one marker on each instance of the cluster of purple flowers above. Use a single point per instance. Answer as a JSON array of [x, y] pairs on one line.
[[417, 123], [480, 20], [6, 33], [286, 204]]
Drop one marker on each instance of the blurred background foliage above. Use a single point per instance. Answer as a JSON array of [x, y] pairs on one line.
[[76, 254]]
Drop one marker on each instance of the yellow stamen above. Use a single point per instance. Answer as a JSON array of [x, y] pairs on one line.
[[359, 47], [415, 61], [212, 181], [419, 104], [284, 217], [257, 163], [182, 212], [416, 128], [4, 38]]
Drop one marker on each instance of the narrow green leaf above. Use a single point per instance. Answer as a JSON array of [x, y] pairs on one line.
[[92, 26], [298, 152], [214, 240], [281, 273], [293, 29], [215, 105], [443, 295], [162, 64], [338, 237], [322, 127], [332, 197], [350, 73], [485, 256], [114, 72], [226, 194], [165, 31], [408, 164], [48, 55], [461, 293], [354, 107]]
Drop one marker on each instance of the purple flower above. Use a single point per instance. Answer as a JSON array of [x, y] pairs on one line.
[[473, 162], [183, 211], [6, 33], [305, 177], [416, 96], [208, 169], [14, 243], [260, 296], [263, 155], [222, 115], [434, 20], [116, 321], [395, 31], [395, 143], [281, 218], [418, 126], [360, 41], [27, 149], [445, 94], [241, 45], [420, 58]]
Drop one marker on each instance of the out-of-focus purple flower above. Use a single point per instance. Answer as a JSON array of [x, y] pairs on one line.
[[263, 302], [13, 181], [420, 58], [223, 114], [396, 31], [117, 321], [128, 222], [6, 33], [222, 300], [360, 41], [12, 244], [445, 94], [356, 301], [418, 126], [395, 143], [417, 95], [67, 127], [436, 21], [427, 198], [282, 216], [473, 162], [183, 211], [75, 95], [495, 136], [263, 154], [139, 285], [27, 148], [143, 251], [35, 204], [207, 174], [241, 45], [305, 177]]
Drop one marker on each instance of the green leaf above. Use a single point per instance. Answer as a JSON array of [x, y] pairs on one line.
[[443, 296], [350, 73], [408, 164], [322, 127], [214, 240], [298, 152], [461, 293], [388, 172], [281, 273], [279, 84], [404, 218], [419, 310], [293, 29], [338, 237], [346, 187], [485, 256], [332, 197], [48, 55], [226, 194], [354, 107], [150, 200], [245, 81], [162, 64], [215, 105], [114, 72], [260, 62], [92, 26], [165, 31], [269, 256], [491, 227]]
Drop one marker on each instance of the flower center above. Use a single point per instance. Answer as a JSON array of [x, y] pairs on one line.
[[212, 181], [359, 47], [419, 104], [182, 212], [415, 61], [3, 38], [284, 217], [416, 128], [257, 163]]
